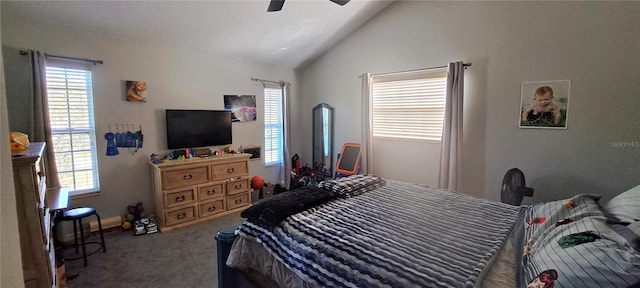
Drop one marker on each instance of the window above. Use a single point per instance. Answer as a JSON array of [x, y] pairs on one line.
[[70, 98], [272, 125], [408, 106]]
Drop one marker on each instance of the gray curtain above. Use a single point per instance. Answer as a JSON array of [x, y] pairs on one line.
[[451, 151], [365, 138], [285, 166], [40, 126]]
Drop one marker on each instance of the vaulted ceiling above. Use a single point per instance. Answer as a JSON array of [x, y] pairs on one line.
[[245, 30]]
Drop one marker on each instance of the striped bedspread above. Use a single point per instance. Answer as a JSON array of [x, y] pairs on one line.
[[399, 235]]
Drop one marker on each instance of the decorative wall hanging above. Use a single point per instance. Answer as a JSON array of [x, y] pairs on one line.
[[243, 107], [544, 104], [125, 137], [136, 91]]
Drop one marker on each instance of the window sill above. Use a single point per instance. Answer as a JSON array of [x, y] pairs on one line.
[[85, 195], [272, 165]]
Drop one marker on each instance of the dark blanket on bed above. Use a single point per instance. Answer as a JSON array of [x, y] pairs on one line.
[[273, 210]]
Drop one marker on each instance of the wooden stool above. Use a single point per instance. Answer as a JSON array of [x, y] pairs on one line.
[[79, 214]]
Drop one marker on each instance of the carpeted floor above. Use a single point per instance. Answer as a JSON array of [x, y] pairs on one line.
[[184, 257]]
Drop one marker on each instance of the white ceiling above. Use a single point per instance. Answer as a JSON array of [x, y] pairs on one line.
[[303, 30]]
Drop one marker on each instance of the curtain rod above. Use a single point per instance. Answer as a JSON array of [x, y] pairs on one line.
[[465, 65], [94, 62], [272, 82]]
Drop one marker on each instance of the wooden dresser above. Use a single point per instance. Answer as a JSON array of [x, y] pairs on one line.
[[34, 220], [192, 190]]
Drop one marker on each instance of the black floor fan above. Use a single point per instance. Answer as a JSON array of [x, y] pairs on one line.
[[514, 188], [276, 5]]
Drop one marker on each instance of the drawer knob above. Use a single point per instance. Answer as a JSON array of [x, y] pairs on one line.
[[212, 208], [181, 215], [187, 177], [211, 192], [231, 170], [180, 199], [238, 201], [237, 186]]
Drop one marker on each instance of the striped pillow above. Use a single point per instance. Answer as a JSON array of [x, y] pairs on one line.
[[352, 185]]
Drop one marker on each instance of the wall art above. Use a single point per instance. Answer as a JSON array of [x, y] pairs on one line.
[[136, 91], [242, 107], [544, 104]]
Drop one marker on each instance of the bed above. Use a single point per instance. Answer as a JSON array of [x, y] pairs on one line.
[[396, 234]]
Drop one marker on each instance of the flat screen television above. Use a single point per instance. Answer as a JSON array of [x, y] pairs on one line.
[[198, 128]]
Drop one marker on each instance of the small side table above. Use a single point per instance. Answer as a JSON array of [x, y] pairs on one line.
[[57, 200]]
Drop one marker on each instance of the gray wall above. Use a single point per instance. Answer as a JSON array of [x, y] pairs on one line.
[[596, 45], [176, 78]]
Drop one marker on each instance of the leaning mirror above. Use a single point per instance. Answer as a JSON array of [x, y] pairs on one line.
[[323, 140]]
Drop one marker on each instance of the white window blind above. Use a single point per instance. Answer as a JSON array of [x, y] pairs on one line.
[[70, 98], [272, 125], [409, 107]]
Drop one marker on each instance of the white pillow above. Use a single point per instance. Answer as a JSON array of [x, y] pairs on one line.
[[626, 206]]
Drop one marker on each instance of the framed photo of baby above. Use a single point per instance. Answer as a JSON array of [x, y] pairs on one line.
[[544, 104], [136, 91]]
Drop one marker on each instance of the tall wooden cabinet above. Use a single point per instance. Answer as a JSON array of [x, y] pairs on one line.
[[192, 190], [34, 221]]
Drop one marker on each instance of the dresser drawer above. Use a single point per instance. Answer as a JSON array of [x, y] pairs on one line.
[[45, 224], [211, 208], [180, 215], [42, 192], [185, 177], [237, 186], [40, 178], [236, 201], [174, 199], [230, 170], [211, 191]]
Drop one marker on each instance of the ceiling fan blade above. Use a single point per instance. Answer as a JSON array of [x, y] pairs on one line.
[[275, 5], [340, 2]]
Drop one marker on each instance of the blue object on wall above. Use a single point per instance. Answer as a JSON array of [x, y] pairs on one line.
[[112, 149]]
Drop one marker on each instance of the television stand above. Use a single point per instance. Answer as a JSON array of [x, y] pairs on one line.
[[192, 190]]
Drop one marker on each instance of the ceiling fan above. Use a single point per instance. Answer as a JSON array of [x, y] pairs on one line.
[[276, 5]]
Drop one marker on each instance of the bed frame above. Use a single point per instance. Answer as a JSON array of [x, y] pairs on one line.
[[230, 277]]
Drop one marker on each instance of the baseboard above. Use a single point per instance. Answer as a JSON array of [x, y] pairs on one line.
[[68, 237], [110, 224], [107, 223]]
